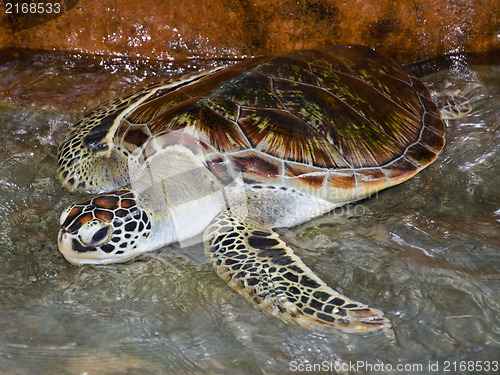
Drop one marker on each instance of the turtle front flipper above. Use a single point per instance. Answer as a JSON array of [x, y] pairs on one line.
[[257, 264]]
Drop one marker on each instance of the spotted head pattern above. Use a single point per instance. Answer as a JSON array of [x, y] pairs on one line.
[[103, 229]]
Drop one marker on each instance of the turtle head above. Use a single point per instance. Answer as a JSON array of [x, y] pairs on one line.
[[107, 229], [88, 164]]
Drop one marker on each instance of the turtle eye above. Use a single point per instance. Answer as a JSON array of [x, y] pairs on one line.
[[95, 233], [100, 235]]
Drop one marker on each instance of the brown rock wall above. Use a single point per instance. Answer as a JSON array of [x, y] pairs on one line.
[[180, 29]]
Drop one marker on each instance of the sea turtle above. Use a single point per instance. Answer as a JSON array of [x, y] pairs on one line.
[[234, 153]]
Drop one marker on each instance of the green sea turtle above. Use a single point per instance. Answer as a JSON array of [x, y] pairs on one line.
[[234, 153]]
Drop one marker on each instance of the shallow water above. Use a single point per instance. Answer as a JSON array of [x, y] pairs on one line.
[[426, 252]]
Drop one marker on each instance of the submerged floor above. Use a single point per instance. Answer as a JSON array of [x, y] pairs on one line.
[[426, 252]]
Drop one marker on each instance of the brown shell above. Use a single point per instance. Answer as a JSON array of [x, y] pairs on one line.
[[340, 121]]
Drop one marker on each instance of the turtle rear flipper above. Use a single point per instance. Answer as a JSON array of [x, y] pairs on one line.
[[453, 106], [257, 264]]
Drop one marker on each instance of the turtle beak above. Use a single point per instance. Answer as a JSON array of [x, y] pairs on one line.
[[74, 251], [78, 254]]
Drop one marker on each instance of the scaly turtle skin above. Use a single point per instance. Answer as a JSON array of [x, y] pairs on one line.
[[233, 153]]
